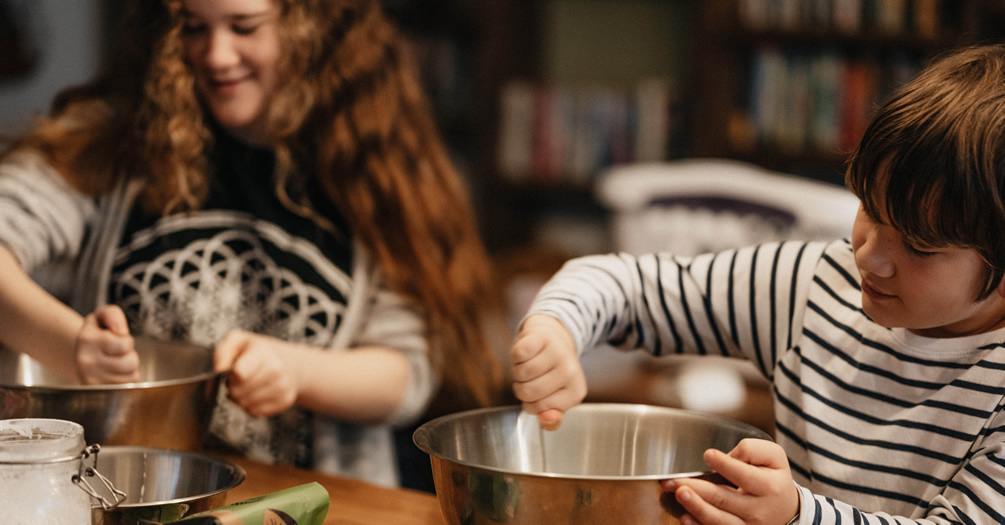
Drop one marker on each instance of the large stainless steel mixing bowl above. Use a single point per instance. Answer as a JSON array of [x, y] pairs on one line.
[[602, 466], [170, 407], [163, 485]]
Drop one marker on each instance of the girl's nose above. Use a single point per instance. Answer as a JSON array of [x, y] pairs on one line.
[[220, 52]]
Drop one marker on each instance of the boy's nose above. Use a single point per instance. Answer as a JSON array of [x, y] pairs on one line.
[[873, 256]]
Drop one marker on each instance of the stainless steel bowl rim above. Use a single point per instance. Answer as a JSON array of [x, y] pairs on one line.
[[420, 440], [647, 477], [117, 386], [239, 474]]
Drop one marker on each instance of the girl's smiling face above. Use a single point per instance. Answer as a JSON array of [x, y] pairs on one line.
[[234, 50], [929, 290]]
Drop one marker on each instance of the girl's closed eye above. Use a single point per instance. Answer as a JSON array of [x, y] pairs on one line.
[[192, 28], [245, 29]]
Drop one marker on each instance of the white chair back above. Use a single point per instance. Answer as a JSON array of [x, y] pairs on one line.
[[695, 206]]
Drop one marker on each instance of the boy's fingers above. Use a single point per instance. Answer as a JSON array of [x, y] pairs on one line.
[[758, 452], [525, 348], [746, 465], [550, 419]]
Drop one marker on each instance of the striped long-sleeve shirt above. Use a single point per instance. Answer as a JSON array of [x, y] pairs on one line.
[[880, 425]]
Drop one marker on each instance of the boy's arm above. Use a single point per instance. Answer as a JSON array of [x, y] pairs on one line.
[[975, 495], [741, 303], [746, 302], [764, 493]]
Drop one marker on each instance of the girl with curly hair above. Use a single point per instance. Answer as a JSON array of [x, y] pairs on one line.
[[263, 177]]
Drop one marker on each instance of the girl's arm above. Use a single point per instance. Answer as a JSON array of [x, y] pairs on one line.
[[386, 375], [35, 322], [96, 349], [268, 375], [43, 219]]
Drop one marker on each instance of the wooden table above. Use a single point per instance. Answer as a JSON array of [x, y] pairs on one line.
[[352, 501]]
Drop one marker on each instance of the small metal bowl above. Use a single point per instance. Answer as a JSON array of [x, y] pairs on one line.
[[602, 466], [163, 485], [170, 407]]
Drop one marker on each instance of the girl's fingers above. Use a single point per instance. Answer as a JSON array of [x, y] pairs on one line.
[[112, 318], [228, 350], [258, 381]]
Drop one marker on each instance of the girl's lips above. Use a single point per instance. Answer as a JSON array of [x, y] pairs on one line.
[[874, 293], [225, 86]]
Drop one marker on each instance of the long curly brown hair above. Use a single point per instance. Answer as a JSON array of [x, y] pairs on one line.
[[350, 111]]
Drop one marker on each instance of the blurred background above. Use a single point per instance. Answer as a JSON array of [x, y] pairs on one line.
[[545, 103], [537, 98]]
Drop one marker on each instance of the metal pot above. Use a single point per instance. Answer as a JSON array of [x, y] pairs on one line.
[[170, 407], [602, 466], [163, 485]]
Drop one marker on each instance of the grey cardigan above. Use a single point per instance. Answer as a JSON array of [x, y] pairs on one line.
[[66, 241]]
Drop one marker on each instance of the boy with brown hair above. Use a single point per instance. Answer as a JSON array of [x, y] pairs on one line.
[[886, 353]]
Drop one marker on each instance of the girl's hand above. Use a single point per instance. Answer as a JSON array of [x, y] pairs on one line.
[[260, 380], [104, 349], [547, 375], [765, 493]]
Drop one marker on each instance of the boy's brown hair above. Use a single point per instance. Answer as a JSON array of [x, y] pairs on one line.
[[932, 160]]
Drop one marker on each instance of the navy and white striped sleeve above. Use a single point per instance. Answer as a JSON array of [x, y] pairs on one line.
[[747, 301]]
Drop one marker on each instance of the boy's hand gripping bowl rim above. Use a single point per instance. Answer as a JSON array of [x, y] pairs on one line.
[[602, 466]]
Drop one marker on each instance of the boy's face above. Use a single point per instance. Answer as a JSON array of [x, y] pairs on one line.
[[929, 290]]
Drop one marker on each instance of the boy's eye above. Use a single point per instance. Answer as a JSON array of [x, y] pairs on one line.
[[918, 251]]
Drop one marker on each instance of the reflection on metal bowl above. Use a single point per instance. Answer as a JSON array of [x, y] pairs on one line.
[[170, 407], [602, 466], [163, 485]]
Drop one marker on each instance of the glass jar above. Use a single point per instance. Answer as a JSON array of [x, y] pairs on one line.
[[39, 459]]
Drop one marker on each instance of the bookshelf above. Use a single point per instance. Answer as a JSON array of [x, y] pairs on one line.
[[466, 50], [791, 84], [606, 87], [752, 80]]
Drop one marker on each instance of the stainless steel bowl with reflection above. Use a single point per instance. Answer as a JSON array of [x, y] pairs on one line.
[[602, 466], [169, 407], [163, 485]]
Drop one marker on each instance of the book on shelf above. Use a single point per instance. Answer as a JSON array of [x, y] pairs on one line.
[[858, 89], [516, 124], [895, 17], [802, 102], [824, 90], [925, 20], [571, 133]]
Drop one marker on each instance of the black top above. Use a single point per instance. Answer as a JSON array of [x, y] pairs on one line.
[[244, 261]]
